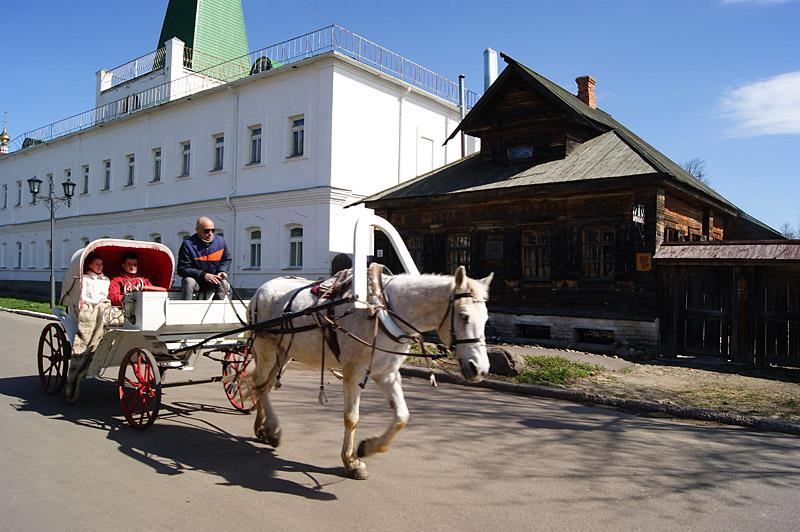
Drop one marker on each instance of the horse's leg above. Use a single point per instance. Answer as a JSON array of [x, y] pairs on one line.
[[392, 387], [266, 427], [353, 466]]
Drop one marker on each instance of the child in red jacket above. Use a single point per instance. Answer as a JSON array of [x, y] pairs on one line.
[[128, 281]]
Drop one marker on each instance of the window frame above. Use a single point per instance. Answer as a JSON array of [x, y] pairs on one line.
[[458, 255], [297, 129], [256, 145], [131, 178], [157, 165], [106, 186], [542, 261], [255, 248], [84, 179], [295, 246], [186, 159], [5, 195], [605, 253], [19, 193], [218, 156]]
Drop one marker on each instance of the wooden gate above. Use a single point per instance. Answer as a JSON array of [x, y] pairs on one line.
[[745, 314]]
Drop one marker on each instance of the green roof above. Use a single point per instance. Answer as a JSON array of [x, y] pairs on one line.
[[213, 27]]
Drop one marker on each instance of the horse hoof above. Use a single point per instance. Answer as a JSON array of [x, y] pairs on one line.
[[357, 473], [274, 439]]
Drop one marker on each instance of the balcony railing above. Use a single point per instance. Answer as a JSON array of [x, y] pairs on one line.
[[210, 72], [138, 67]]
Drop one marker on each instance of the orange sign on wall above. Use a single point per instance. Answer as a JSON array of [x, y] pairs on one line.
[[644, 262]]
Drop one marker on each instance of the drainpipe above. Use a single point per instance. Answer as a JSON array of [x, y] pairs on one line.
[[461, 113], [234, 179], [402, 98]]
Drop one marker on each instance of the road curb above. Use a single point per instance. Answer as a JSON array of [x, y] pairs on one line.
[[31, 313], [635, 405]]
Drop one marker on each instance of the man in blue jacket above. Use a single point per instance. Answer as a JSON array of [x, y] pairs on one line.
[[203, 261]]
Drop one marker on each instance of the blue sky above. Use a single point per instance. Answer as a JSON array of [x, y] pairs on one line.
[[712, 79]]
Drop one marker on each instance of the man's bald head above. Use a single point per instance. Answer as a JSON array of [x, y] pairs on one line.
[[205, 228]]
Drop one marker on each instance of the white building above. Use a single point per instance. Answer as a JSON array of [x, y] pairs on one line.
[[271, 150]]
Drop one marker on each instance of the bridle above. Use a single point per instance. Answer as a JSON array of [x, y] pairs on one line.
[[451, 310]]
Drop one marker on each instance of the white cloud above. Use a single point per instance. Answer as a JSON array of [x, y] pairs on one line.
[[765, 107]]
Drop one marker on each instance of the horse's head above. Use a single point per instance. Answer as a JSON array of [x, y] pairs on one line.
[[464, 323]]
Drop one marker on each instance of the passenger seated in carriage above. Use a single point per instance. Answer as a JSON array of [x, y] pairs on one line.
[[129, 280], [90, 315], [94, 295]]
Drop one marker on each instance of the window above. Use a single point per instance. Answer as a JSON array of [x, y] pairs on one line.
[[18, 261], [106, 175], [296, 247], [32, 255], [458, 252], [186, 158], [67, 174], [219, 152], [129, 237], [85, 179], [84, 242], [416, 247], [521, 152], [47, 249], [19, 193], [493, 248], [156, 165], [598, 252], [255, 145], [255, 248], [155, 237], [131, 171], [66, 253], [3, 251], [535, 254], [297, 136], [5, 196]]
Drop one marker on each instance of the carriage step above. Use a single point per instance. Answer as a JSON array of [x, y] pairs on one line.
[[170, 364]]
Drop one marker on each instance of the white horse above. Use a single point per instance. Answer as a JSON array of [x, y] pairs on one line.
[[455, 306]]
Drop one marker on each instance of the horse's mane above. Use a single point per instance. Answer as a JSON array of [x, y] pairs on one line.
[[477, 289]]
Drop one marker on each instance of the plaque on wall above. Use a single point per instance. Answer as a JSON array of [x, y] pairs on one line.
[[644, 262]]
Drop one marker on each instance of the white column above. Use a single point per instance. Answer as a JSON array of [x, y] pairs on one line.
[[103, 83], [173, 65]]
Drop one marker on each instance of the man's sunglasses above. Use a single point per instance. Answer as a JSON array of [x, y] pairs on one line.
[[208, 230]]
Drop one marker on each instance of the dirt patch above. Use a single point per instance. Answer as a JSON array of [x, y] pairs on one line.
[[715, 389], [719, 391]]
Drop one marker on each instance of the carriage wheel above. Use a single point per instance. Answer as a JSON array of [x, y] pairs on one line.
[[235, 369], [53, 358], [139, 388]]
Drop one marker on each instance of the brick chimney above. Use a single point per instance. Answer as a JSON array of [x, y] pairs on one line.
[[586, 91]]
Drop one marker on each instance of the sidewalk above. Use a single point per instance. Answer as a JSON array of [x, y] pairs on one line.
[[702, 390]]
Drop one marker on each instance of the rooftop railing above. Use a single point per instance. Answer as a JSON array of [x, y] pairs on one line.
[[138, 67], [209, 72]]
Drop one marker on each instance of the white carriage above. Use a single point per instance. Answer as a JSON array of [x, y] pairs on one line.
[[159, 331], [155, 332]]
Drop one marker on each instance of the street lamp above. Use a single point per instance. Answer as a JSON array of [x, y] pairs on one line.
[[52, 201]]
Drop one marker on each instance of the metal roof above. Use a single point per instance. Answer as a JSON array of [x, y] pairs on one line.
[[605, 156], [758, 251]]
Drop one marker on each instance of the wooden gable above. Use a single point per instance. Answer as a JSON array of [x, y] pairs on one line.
[[516, 115]]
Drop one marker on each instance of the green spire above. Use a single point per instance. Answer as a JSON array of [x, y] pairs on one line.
[[214, 28]]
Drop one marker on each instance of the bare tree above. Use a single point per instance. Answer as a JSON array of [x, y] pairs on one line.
[[697, 168], [788, 232]]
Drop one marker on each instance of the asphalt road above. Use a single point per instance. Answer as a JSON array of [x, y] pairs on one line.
[[470, 459]]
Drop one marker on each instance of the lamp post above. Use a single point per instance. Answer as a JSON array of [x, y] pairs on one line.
[[52, 201]]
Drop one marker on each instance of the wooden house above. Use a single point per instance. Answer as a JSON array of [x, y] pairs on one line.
[[567, 206]]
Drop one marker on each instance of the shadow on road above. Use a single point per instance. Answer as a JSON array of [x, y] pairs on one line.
[[187, 443]]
